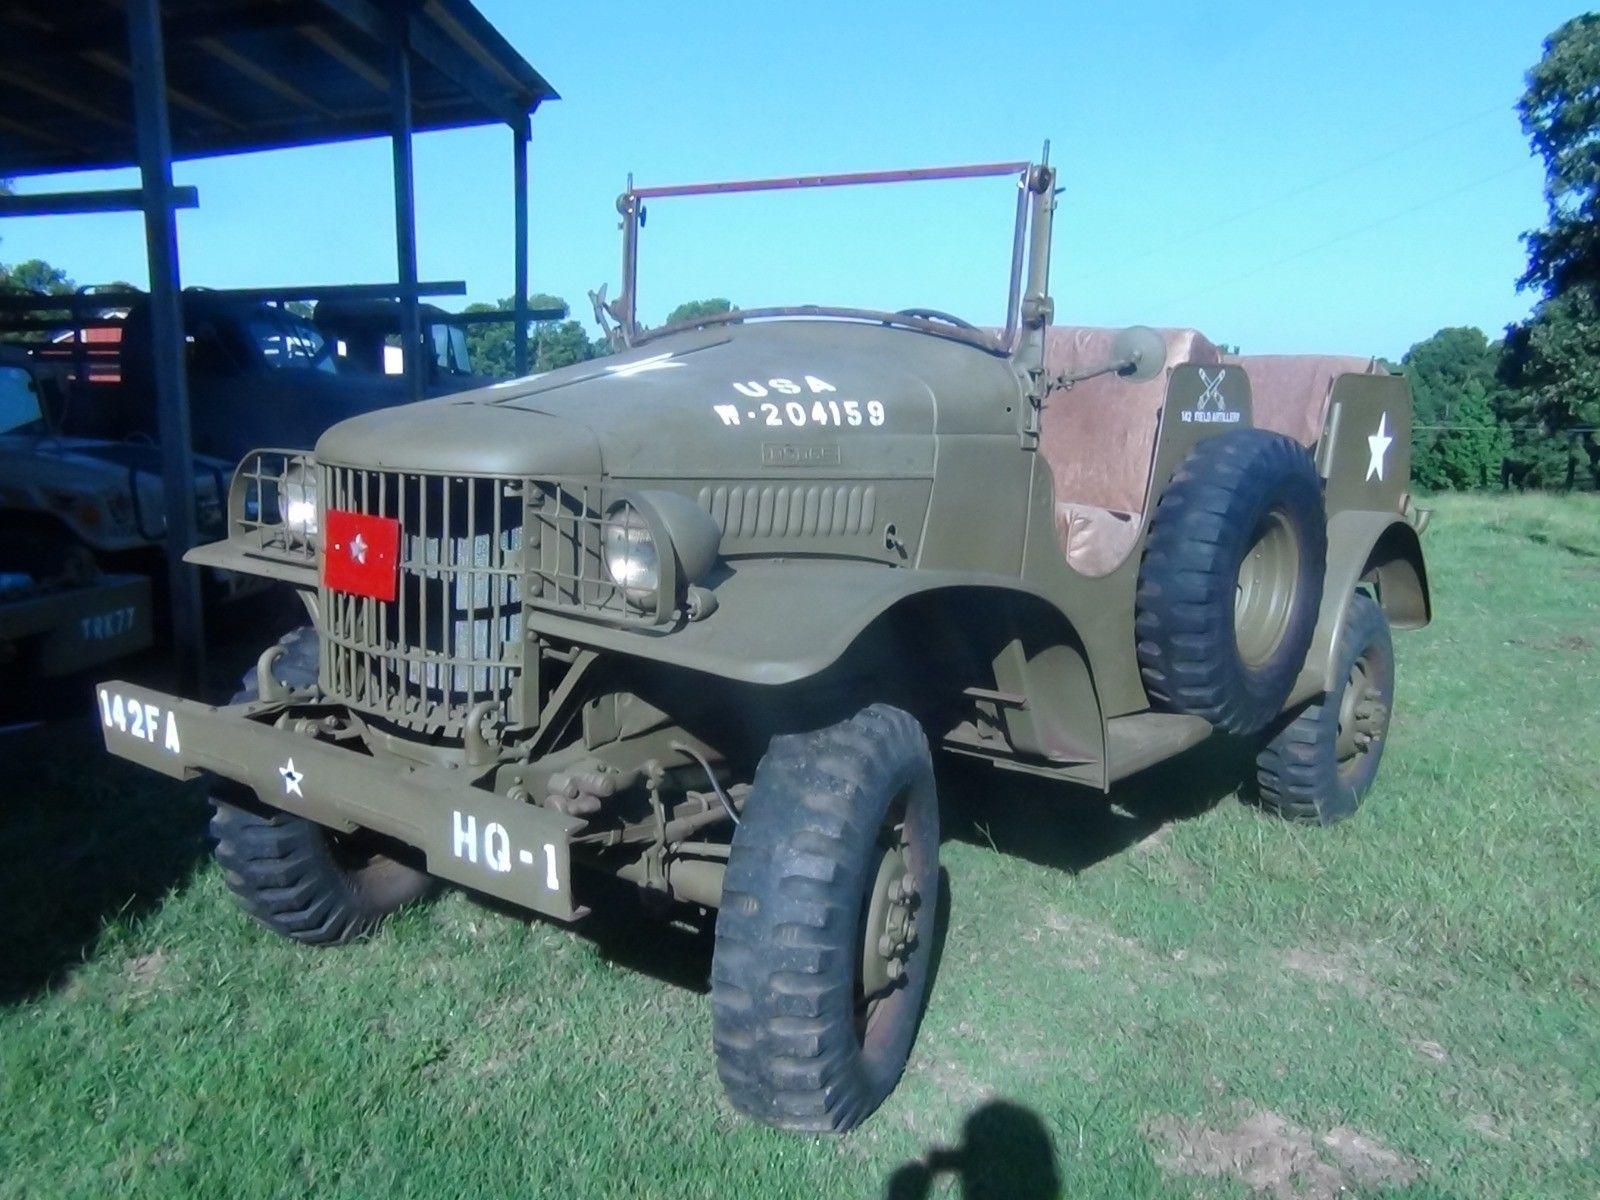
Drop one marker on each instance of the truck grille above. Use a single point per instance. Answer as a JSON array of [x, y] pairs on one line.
[[475, 553], [453, 635]]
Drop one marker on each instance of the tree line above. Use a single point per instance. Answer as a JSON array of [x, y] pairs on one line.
[[1524, 410]]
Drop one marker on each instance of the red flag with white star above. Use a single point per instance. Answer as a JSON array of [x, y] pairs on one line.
[[362, 555]]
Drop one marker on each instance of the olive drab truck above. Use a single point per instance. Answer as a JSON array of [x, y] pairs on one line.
[[698, 616]]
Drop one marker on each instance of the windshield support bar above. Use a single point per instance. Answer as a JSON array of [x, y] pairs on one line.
[[786, 183]]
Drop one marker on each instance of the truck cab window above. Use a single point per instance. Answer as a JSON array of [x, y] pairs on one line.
[[290, 343], [19, 400]]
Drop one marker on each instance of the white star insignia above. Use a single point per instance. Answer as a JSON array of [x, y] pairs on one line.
[[291, 779], [1378, 447], [358, 549], [656, 362]]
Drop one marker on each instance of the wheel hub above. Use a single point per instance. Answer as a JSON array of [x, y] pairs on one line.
[[1363, 714], [1263, 598], [889, 934]]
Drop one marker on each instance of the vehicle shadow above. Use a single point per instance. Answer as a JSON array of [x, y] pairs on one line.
[[670, 943], [1005, 1151], [1071, 828], [85, 839]]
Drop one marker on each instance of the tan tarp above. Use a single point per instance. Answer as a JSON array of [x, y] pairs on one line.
[[1099, 437], [1290, 391]]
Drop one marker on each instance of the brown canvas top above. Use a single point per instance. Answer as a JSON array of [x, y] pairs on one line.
[[1098, 436], [1290, 391]]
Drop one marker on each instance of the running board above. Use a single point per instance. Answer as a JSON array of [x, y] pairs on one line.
[[1142, 740], [1133, 743]]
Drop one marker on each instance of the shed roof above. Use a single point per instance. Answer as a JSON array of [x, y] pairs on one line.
[[246, 75]]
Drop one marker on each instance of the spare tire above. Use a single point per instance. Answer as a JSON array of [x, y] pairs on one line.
[[1231, 579]]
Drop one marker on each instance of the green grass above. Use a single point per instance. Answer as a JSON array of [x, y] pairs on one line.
[[1113, 974]]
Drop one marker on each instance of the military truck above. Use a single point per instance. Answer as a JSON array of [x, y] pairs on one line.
[[697, 616], [258, 372], [68, 527]]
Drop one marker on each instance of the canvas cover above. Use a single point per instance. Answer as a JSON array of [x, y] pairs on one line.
[[1099, 438], [1290, 391]]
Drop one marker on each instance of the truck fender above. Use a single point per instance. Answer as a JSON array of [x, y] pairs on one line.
[[775, 622], [786, 622], [1379, 549]]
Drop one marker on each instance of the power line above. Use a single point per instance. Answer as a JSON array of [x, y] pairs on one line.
[[1343, 237], [1311, 186]]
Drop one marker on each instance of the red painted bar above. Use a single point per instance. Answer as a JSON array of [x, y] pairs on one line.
[[973, 171]]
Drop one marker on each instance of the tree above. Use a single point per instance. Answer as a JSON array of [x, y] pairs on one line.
[[1561, 116], [1458, 438], [1552, 363], [36, 275], [551, 344], [692, 310], [1552, 360]]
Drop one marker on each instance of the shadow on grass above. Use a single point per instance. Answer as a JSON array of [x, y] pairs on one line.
[[671, 944], [1005, 1151], [1071, 828], [84, 839]]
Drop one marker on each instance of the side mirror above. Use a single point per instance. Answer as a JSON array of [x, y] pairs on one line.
[[1140, 353]]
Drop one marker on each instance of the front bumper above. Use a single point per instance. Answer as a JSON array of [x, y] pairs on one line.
[[517, 852]]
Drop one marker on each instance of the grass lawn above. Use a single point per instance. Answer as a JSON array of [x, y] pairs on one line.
[[1163, 995]]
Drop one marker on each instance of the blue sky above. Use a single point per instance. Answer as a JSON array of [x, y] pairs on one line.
[[1285, 176]]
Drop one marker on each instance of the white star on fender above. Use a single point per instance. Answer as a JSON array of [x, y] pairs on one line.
[[1378, 448], [291, 779], [358, 549]]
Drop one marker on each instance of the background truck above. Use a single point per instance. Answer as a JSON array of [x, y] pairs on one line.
[[258, 372], [698, 616]]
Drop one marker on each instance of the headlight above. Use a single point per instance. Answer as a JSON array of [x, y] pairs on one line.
[[632, 558], [297, 499]]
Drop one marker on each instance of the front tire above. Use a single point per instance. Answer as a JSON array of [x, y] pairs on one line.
[[297, 878], [824, 937], [1320, 766]]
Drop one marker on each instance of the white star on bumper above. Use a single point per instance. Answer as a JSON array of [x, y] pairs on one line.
[[291, 779]]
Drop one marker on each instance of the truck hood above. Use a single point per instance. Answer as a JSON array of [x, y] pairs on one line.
[[816, 396]]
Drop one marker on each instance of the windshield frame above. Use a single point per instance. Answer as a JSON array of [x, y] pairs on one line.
[[631, 206]]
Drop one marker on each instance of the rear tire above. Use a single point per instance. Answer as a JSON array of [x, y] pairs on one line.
[[1231, 580], [1320, 766], [824, 937], [297, 878]]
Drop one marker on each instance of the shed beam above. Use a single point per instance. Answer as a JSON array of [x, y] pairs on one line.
[[27, 43], [115, 66], [443, 55], [54, 204], [65, 98], [405, 207], [166, 330], [345, 57], [519, 302], [258, 74]]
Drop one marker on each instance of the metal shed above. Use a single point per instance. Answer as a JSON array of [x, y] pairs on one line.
[[123, 83]]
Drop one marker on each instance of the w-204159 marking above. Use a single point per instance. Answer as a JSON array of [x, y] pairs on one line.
[[495, 847], [773, 412]]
